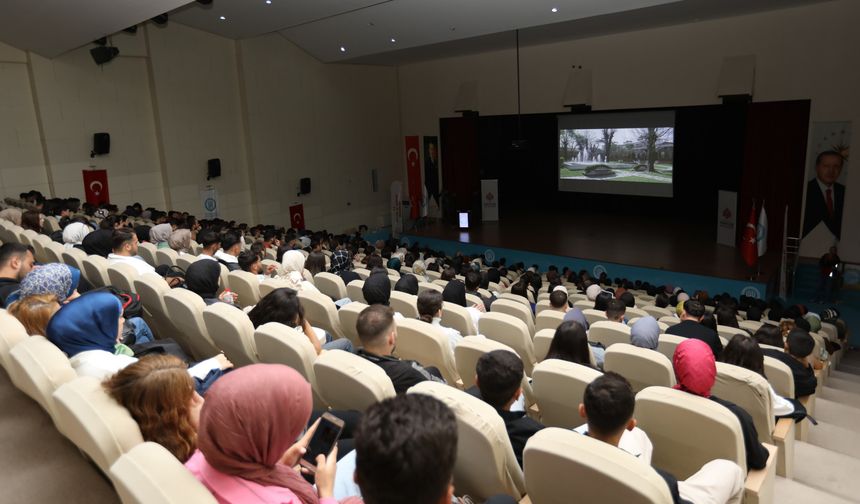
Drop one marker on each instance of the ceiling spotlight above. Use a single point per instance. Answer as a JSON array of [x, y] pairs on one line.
[[268, 2], [103, 54], [160, 19], [205, 2], [131, 29], [222, 18], [554, 10], [393, 40], [342, 49]]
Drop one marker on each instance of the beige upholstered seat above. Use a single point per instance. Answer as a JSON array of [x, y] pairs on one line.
[[602, 472], [94, 422], [473, 300], [232, 331], [440, 282], [669, 320], [246, 286], [347, 381], [516, 298], [185, 260], [423, 286], [608, 333], [667, 343], [354, 292], [362, 272], [280, 344], [331, 285], [642, 367], [270, 284], [428, 345], [558, 387], [657, 312], [405, 304], [146, 251], [152, 289], [95, 270], [486, 464], [511, 331], [548, 319], [75, 257], [516, 309], [728, 332], [467, 353], [541, 342], [12, 332], [122, 275], [166, 256], [750, 325], [541, 305], [186, 312], [635, 312], [40, 368], [321, 312], [574, 296], [348, 316], [543, 296], [583, 304], [51, 224], [54, 252], [456, 316], [149, 474], [593, 316], [39, 241]]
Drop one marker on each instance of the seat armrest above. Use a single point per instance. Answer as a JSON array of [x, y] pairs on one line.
[[525, 500], [759, 485], [783, 428], [784, 436]]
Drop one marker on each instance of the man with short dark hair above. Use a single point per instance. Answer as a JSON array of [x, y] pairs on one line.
[[125, 243], [231, 247], [210, 241], [798, 349], [615, 310], [691, 327], [473, 283], [558, 299], [378, 334], [16, 260]]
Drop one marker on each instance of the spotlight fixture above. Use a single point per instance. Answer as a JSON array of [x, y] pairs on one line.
[[103, 54], [100, 41], [268, 2], [160, 19], [342, 49], [131, 29], [222, 18], [554, 10], [393, 40], [204, 2]]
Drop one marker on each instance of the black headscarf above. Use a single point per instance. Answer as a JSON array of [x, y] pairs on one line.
[[202, 278], [142, 233], [485, 280], [99, 242], [408, 284], [455, 292], [493, 275], [377, 289]]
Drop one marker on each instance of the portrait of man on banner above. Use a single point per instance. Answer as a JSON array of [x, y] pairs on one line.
[[431, 168], [825, 187]]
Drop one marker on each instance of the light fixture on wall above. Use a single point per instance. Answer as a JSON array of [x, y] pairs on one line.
[[577, 92], [466, 102], [737, 79], [103, 53]]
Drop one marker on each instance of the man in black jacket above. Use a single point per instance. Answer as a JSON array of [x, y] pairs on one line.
[[691, 327], [825, 196], [16, 260], [378, 334], [798, 347]]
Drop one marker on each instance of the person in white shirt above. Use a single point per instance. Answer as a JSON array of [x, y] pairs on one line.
[[125, 244], [231, 247], [430, 304], [211, 242]]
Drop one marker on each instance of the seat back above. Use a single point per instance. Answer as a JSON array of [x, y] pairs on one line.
[[469, 350], [642, 367], [186, 312], [456, 316], [354, 292], [54, 252], [347, 381], [185, 260], [542, 342], [486, 464], [548, 319], [348, 315], [608, 333], [232, 331], [541, 305], [122, 275], [270, 284], [405, 304], [75, 257], [423, 286], [331, 285], [280, 344], [750, 325], [584, 304], [321, 311], [149, 474], [146, 251], [363, 273], [593, 316], [246, 285], [729, 332], [12, 332], [635, 312], [656, 311], [667, 343], [515, 309], [39, 241], [558, 387], [94, 422], [675, 421], [669, 320], [40, 368], [511, 331], [750, 391], [166, 256], [152, 289], [427, 344], [95, 270], [779, 376], [603, 472]]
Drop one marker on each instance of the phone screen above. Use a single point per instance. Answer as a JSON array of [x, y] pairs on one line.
[[323, 440]]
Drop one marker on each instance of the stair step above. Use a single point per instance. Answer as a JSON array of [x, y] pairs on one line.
[[836, 413], [837, 438], [788, 491], [840, 383], [848, 398], [826, 470]]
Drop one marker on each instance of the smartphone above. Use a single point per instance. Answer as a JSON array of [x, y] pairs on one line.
[[323, 441]]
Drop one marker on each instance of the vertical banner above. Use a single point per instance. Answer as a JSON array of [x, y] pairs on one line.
[[96, 187], [396, 208], [297, 216], [727, 219], [490, 199], [431, 169], [209, 199], [413, 172], [826, 173]]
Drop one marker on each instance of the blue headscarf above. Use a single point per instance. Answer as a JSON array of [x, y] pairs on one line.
[[54, 278], [645, 333], [89, 322], [576, 315]]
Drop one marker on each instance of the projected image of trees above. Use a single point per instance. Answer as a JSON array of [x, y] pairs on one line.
[[619, 154]]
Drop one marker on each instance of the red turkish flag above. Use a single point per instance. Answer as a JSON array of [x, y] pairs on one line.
[[413, 171], [297, 216], [96, 187], [748, 244]]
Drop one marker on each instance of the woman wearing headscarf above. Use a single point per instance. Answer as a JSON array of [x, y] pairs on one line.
[[394, 263], [160, 234], [408, 284], [292, 271], [419, 269], [645, 332], [74, 234], [695, 373], [247, 439], [455, 292], [180, 241], [54, 278], [202, 278], [377, 288], [341, 264]]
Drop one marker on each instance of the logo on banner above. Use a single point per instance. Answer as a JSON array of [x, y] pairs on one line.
[[727, 214], [210, 204], [598, 270], [752, 292], [489, 256], [96, 187]]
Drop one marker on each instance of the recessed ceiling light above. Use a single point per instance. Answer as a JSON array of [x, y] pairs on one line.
[[342, 49], [268, 2], [393, 40], [554, 10], [222, 18]]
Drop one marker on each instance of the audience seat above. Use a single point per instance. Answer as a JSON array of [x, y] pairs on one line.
[[511, 331], [634, 312], [185, 260], [729, 332], [750, 325], [321, 312], [39, 241], [38, 369], [95, 270], [593, 316], [348, 316], [94, 422], [354, 292], [149, 474], [186, 312], [574, 297], [428, 345], [246, 285], [331, 285], [456, 316], [516, 298], [51, 224], [122, 276], [669, 320], [657, 312], [12, 332], [362, 272], [75, 257], [166, 256], [602, 472], [467, 353], [541, 342], [270, 284], [423, 286], [232, 331], [516, 309], [492, 286], [642, 367], [543, 296], [152, 289], [541, 305], [473, 300], [548, 319], [405, 304], [146, 251], [608, 333], [54, 252], [558, 387], [440, 283], [280, 344], [347, 381], [486, 464], [666, 344], [583, 304]]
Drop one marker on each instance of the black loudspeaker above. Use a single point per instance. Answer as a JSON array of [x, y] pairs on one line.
[[103, 54], [305, 186], [213, 168], [101, 144]]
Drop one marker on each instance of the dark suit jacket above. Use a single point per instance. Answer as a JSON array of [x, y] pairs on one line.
[[805, 381], [816, 208], [692, 329]]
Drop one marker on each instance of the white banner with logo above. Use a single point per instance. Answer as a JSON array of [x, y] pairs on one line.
[[727, 219], [490, 199], [396, 208], [209, 199]]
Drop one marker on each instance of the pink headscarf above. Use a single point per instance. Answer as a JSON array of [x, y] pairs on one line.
[[250, 418], [695, 369]]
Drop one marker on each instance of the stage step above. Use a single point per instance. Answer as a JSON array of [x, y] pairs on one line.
[[825, 470]]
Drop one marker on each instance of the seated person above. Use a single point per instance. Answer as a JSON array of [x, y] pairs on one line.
[[210, 243], [407, 284], [769, 334], [377, 288], [378, 334], [628, 299], [202, 278], [645, 333], [180, 241], [798, 349], [575, 315], [231, 247], [690, 326], [727, 316], [455, 292], [570, 343], [74, 234], [601, 302], [661, 300], [696, 372], [34, 312], [100, 241], [160, 234], [283, 305], [615, 310], [16, 260], [473, 283], [499, 375], [558, 299], [125, 244], [430, 304], [292, 271], [608, 404], [744, 351], [341, 265]]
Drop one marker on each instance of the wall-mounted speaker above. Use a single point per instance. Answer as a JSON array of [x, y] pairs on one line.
[[213, 168], [305, 186], [737, 79], [101, 144]]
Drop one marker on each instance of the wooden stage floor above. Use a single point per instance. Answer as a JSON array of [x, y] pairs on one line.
[[630, 240]]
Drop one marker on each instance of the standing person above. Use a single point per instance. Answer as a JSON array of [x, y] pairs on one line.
[[828, 267]]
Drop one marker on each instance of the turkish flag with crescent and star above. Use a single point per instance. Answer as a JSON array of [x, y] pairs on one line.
[[748, 246], [297, 216], [413, 172], [96, 187]]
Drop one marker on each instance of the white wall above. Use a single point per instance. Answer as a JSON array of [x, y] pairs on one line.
[[801, 53]]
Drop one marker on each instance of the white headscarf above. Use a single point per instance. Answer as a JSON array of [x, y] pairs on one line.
[[292, 266], [592, 292], [74, 233]]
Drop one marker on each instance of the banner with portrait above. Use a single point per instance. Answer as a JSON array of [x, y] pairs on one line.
[[431, 173], [824, 199]]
